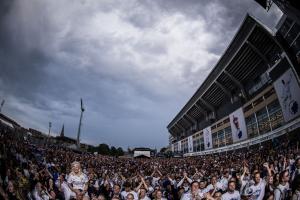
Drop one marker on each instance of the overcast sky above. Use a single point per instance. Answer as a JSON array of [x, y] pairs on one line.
[[134, 63]]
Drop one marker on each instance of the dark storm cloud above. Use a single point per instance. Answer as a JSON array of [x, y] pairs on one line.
[[22, 62], [135, 63]]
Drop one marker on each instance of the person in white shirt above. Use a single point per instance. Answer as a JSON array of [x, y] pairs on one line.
[[282, 190], [202, 188], [185, 181], [231, 193], [40, 194], [159, 196], [143, 194], [141, 189], [62, 185], [77, 182], [258, 189], [224, 180], [194, 194], [156, 175], [172, 180], [214, 185], [128, 190], [149, 188]]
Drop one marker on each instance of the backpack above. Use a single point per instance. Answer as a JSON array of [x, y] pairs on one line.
[[283, 196]]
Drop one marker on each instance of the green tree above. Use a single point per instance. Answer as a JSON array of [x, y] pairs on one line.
[[92, 149], [113, 151], [130, 151], [163, 150], [120, 151], [103, 149]]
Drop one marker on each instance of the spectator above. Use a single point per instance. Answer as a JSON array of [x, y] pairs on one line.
[[231, 192]]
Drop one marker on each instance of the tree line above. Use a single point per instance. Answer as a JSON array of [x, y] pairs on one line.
[[104, 149]]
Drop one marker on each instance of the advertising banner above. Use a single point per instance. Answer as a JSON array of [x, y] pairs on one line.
[[288, 92], [238, 125], [207, 138], [190, 144]]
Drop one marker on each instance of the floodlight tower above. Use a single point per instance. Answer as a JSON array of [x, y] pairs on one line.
[[48, 138], [79, 127]]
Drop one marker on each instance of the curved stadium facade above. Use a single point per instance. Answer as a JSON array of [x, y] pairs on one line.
[[252, 95]]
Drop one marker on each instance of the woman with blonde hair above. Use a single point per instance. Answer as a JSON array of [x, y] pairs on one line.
[[77, 182]]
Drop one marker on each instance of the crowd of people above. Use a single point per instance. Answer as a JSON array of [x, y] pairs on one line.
[[40, 172]]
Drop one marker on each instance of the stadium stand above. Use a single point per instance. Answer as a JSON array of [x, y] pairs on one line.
[[250, 96]]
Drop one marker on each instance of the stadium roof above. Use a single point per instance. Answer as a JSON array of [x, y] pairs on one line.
[[8, 120], [250, 52]]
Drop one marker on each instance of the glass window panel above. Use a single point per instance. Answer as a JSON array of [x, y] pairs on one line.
[[221, 138], [228, 136], [215, 140], [275, 113], [263, 121], [251, 126], [201, 144]]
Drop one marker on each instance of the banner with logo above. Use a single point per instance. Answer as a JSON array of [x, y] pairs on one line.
[[207, 138], [190, 144], [288, 92], [238, 125]]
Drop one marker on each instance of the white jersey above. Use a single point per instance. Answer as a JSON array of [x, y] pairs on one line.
[[281, 192], [77, 182], [189, 196], [218, 186], [258, 191], [202, 192], [145, 198], [124, 194], [155, 180], [150, 190], [231, 196], [224, 182]]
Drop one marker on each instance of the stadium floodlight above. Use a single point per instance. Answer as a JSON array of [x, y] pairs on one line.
[[47, 139], [50, 124], [79, 127]]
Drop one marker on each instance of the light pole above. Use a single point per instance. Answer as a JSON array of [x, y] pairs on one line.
[[49, 131], [79, 127]]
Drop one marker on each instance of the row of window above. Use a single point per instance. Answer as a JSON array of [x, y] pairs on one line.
[[258, 123], [198, 144], [264, 120], [222, 137], [184, 146]]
